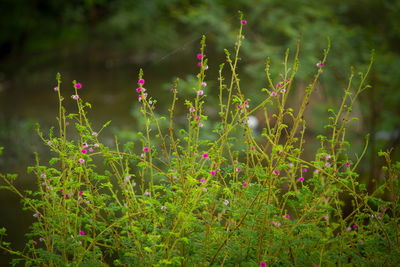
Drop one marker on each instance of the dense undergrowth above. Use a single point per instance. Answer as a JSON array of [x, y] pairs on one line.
[[176, 198]]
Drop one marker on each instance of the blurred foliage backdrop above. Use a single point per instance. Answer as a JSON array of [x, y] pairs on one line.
[[89, 39]]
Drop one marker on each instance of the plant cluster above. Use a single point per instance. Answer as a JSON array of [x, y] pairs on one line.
[[178, 199]]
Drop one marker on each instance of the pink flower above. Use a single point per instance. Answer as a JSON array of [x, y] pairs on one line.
[[67, 123], [78, 86], [34, 242], [279, 85], [263, 264], [348, 228], [290, 165], [301, 179], [327, 157], [197, 118], [91, 149], [212, 173], [244, 22], [66, 196], [320, 64], [355, 226], [273, 94], [283, 90], [199, 64], [199, 56], [244, 184], [192, 110], [43, 175], [206, 67], [81, 160], [49, 143], [139, 89], [226, 202], [41, 239], [204, 84], [276, 172], [239, 106], [238, 169], [327, 164], [84, 151], [172, 90], [246, 104], [80, 193], [96, 145], [146, 193], [85, 145], [75, 97], [205, 155], [146, 149], [393, 196], [200, 125], [203, 181], [163, 207], [55, 89], [141, 81], [81, 232], [287, 216], [200, 92], [347, 163], [304, 170]]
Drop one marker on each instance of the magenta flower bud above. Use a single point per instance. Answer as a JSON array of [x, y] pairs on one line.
[[81, 232], [244, 22], [146, 149], [78, 86], [141, 81], [199, 56]]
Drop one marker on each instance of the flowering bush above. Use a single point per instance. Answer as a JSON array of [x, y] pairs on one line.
[[179, 199]]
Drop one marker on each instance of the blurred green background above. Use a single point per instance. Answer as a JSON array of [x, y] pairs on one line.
[[102, 44]]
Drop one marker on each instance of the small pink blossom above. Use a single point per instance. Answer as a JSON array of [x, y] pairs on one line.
[[163, 207], [55, 89], [78, 86], [141, 81], [200, 92], [263, 264], [43, 183], [355, 226], [204, 84], [203, 181], [172, 90], [199, 64], [66, 196], [197, 117], [273, 94], [244, 184], [139, 89], [238, 169], [80, 193], [279, 85], [146, 193], [327, 164], [199, 56], [347, 163], [226, 202], [49, 143], [83, 151], [393, 196], [301, 179], [206, 67], [290, 165], [200, 125], [239, 106], [349, 229], [244, 22], [205, 155], [320, 64], [287, 216], [146, 149], [246, 104], [192, 110], [328, 157], [41, 239], [67, 123], [75, 97], [276, 172], [212, 173], [304, 170], [34, 242], [43, 175], [81, 232], [91, 149], [283, 90], [85, 145], [81, 160], [96, 145]]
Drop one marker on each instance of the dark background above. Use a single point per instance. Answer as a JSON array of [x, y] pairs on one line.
[[102, 44]]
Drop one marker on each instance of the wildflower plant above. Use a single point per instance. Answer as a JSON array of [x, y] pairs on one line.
[[174, 198]]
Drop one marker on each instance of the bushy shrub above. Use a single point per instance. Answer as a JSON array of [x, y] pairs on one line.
[[176, 198]]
